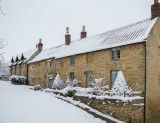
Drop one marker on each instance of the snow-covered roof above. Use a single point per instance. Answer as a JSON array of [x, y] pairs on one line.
[[26, 55], [134, 33], [122, 36], [47, 54]]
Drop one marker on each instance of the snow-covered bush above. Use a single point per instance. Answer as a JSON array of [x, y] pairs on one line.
[[18, 79], [37, 87], [120, 87], [72, 83], [58, 83], [99, 86]]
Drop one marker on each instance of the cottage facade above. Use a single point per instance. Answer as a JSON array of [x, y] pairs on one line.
[[133, 49], [18, 65]]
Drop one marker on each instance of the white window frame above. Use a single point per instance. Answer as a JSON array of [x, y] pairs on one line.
[[49, 64]]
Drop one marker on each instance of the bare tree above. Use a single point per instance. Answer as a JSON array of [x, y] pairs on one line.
[[2, 45], [4, 69], [1, 10]]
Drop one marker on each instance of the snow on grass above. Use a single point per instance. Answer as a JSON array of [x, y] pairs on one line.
[[84, 106], [19, 104]]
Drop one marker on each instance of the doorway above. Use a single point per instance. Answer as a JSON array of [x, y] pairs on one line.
[[49, 81], [89, 78]]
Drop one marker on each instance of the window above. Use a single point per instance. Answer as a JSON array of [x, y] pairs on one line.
[[71, 76], [32, 67], [23, 64], [49, 64], [114, 74], [116, 53], [72, 60]]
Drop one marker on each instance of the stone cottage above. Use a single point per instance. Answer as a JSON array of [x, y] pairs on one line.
[[18, 65], [133, 49]]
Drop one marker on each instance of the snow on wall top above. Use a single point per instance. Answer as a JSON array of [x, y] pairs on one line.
[[130, 34]]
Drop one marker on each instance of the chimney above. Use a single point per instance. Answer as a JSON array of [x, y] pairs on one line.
[[155, 9], [67, 36], [83, 33], [40, 45]]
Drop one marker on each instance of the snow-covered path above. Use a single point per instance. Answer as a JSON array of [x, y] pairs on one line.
[[19, 104]]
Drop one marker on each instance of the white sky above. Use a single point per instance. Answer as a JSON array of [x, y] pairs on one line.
[[28, 20]]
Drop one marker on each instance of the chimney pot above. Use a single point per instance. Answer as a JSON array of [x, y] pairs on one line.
[[155, 9], [83, 32], [40, 45], [67, 37]]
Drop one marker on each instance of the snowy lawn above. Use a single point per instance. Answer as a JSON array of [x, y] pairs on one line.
[[19, 104]]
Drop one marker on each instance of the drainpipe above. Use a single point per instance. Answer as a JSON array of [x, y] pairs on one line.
[[145, 75], [27, 74], [20, 69]]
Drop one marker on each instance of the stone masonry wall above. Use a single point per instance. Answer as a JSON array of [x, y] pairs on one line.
[[18, 70], [24, 70], [131, 63], [124, 111], [13, 71], [153, 75], [40, 72]]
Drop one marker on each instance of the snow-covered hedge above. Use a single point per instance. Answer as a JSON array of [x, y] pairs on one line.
[[72, 83], [18, 79], [99, 86]]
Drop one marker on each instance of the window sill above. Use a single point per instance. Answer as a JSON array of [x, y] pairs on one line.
[[115, 59]]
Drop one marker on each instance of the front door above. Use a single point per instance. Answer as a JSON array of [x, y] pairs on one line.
[[114, 74], [89, 78], [49, 82]]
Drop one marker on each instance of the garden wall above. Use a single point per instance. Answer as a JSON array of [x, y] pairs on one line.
[[128, 111]]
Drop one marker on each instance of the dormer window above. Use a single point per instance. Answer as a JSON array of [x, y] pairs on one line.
[[116, 53]]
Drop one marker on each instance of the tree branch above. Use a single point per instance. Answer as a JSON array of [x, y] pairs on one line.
[[1, 11]]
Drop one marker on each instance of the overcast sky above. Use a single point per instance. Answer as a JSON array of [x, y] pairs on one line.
[[28, 20]]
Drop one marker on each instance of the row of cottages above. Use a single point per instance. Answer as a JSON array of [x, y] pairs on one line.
[[19, 64], [133, 49]]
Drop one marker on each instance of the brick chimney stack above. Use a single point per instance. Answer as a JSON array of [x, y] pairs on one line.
[[155, 9], [83, 33], [67, 37], [40, 45]]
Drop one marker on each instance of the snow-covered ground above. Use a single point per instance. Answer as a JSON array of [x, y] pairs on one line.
[[19, 104]]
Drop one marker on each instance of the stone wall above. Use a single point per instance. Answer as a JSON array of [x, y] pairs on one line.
[[125, 111], [40, 73], [24, 70], [13, 70], [100, 63], [18, 70], [153, 75]]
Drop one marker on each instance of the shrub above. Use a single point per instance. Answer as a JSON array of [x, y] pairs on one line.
[[58, 83], [70, 93], [21, 80]]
